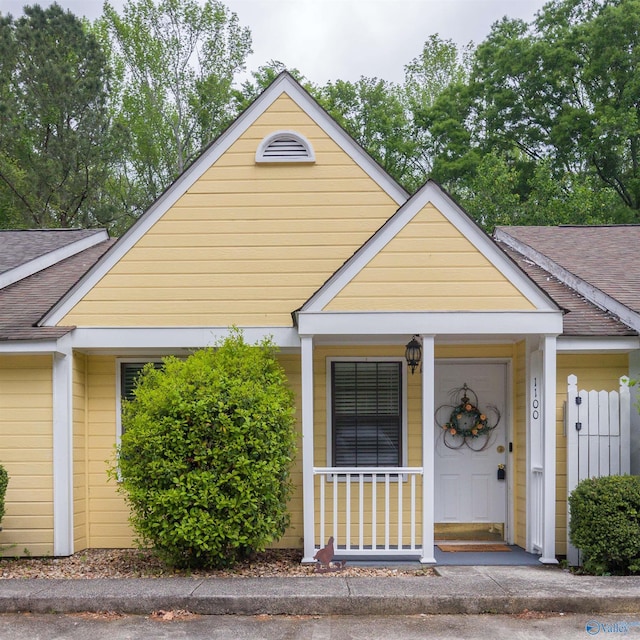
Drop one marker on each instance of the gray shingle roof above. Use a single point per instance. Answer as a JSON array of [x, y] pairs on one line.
[[20, 247], [23, 303], [581, 318], [608, 257]]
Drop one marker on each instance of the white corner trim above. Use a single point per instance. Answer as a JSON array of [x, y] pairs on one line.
[[62, 454], [305, 152], [52, 257], [588, 291], [431, 193], [281, 85]]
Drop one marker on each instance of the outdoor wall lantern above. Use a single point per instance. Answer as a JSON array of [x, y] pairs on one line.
[[413, 354]]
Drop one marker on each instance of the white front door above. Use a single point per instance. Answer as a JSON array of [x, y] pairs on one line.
[[467, 484]]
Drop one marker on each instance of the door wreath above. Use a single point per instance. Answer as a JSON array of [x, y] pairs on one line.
[[465, 424]]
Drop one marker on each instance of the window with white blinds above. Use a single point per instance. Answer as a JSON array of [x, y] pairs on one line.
[[366, 414]]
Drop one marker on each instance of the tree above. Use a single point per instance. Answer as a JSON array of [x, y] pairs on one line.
[[441, 65], [371, 111], [262, 78], [206, 453], [57, 144], [177, 60], [564, 92]]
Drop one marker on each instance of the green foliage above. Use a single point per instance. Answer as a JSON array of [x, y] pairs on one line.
[[558, 101], [605, 524], [176, 61], [56, 141], [372, 112], [4, 481], [206, 454]]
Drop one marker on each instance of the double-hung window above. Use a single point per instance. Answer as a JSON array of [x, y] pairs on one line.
[[366, 413]]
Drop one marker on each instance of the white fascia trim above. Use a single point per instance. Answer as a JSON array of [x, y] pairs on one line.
[[168, 338], [283, 84], [29, 347], [580, 286], [49, 259], [346, 142], [430, 193], [432, 323], [567, 344]]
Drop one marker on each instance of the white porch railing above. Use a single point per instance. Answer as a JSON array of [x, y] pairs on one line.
[[369, 510], [537, 508]]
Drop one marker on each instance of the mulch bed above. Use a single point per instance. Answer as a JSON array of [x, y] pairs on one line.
[[134, 563]]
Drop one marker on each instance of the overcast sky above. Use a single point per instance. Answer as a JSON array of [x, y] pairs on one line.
[[345, 39]]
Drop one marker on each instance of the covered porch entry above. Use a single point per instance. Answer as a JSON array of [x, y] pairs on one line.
[[387, 479]]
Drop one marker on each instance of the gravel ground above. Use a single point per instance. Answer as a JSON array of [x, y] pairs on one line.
[[133, 563]]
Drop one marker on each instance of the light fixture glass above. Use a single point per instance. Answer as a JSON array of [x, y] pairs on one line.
[[413, 354]]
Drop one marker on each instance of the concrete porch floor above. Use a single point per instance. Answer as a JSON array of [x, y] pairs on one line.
[[514, 558]]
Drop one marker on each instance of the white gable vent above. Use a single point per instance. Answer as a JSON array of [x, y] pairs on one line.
[[285, 146]]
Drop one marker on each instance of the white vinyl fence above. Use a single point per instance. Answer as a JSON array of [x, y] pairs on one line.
[[598, 427]]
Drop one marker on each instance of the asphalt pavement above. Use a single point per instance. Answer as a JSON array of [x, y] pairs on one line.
[[454, 590]]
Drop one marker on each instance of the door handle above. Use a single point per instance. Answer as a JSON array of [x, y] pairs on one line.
[[502, 473]]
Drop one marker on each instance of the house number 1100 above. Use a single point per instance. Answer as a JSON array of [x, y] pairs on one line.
[[535, 403]]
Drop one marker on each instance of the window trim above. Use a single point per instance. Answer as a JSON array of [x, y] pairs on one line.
[[284, 133], [329, 401]]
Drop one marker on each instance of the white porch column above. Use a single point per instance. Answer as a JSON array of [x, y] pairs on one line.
[[549, 450], [308, 500], [428, 455], [62, 454]]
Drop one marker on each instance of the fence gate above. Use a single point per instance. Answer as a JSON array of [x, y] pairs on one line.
[[598, 427]]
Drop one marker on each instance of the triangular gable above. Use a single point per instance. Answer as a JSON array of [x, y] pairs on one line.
[[283, 85], [430, 256]]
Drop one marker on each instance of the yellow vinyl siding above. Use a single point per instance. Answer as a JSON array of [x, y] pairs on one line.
[[247, 244], [596, 371], [429, 265], [80, 451], [108, 515], [519, 456], [26, 451]]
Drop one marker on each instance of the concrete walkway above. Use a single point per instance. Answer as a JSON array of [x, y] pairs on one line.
[[475, 589]]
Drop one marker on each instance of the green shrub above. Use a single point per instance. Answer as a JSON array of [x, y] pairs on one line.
[[605, 524], [4, 481], [206, 454]]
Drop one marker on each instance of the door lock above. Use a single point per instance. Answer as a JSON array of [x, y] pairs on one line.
[[502, 474]]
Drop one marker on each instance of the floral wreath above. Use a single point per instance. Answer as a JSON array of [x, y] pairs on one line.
[[466, 422]]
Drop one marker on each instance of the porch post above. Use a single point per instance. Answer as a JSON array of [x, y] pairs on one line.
[[428, 457], [308, 501], [549, 451]]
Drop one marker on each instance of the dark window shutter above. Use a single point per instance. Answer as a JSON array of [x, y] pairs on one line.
[[129, 372], [367, 414]]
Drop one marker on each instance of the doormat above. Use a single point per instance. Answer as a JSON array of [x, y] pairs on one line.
[[473, 547]]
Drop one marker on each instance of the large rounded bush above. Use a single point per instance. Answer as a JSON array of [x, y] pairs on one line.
[[205, 456], [605, 524]]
